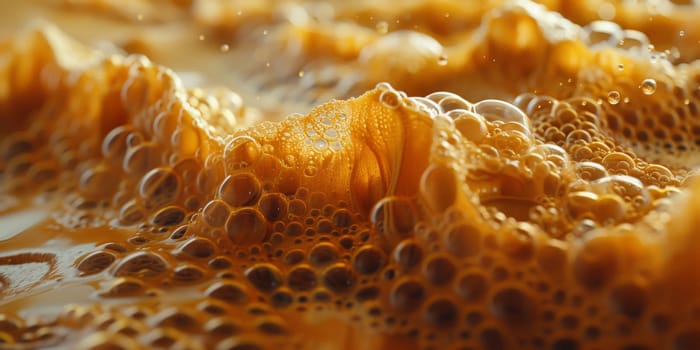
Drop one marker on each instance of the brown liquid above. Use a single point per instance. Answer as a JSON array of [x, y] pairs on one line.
[[560, 214]]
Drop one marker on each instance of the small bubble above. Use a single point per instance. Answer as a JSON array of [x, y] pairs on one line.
[[321, 144], [224, 48], [201, 37], [620, 67], [648, 86], [681, 33], [331, 133], [442, 60], [301, 74], [382, 27], [265, 32], [614, 97], [310, 171], [267, 64], [390, 99]]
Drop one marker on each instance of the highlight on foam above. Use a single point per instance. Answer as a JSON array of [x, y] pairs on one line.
[[214, 174]]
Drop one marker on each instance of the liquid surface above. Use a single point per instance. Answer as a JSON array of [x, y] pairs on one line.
[[365, 175]]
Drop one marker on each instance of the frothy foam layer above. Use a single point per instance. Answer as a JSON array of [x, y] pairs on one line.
[[546, 201]]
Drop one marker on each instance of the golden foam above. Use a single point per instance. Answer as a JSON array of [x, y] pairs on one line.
[[538, 193]]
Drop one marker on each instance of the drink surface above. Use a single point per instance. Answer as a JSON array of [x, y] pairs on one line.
[[364, 175]]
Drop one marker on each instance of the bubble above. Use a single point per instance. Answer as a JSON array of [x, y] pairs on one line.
[[339, 278], [471, 126], [442, 60], [188, 273], [241, 152], [302, 278], [513, 305], [198, 247], [342, 218], [228, 291], [492, 339], [124, 287], [629, 299], [609, 209], [394, 217], [114, 144], [141, 158], [240, 189], [590, 171], [439, 269], [407, 295], [273, 325], [614, 97], [215, 213], [98, 182], [441, 313], [369, 260], [648, 86], [246, 226], [130, 213], [497, 110], [294, 256], [169, 216], [310, 170], [297, 207], [95, 262], [281, 298], [320, 145], [390, 99], [141, 264], [221, 327], [408, 253], [159, 187], [294, 228], [472, 286], [224, 48], [220, 263], [273, 206], [323, 253], [439, 187], [265, 277]]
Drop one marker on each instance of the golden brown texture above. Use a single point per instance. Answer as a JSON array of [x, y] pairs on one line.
[[558, 216]]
